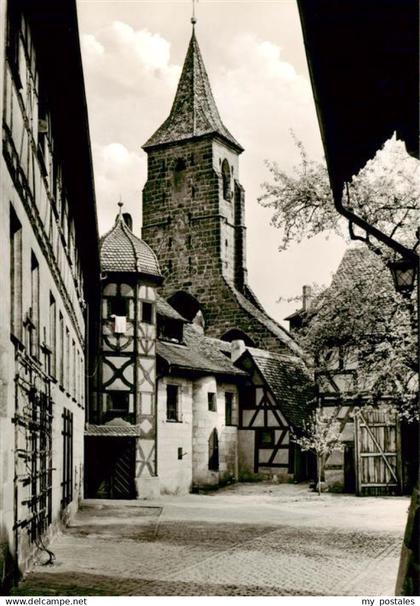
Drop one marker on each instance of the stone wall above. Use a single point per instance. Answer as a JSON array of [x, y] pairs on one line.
[[199, 236]]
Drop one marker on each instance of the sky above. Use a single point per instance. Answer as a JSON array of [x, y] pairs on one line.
[[133, 51]]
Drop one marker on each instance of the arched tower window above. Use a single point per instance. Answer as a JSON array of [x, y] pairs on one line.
[[179, 172], [226, 177], [214, 451]]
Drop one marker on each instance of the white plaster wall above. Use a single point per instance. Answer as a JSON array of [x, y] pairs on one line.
[[246, 449], [6, 371], [204, 422], [175, 475], [63, 396]]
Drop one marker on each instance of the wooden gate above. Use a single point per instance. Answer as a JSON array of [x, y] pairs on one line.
[[378, 452]]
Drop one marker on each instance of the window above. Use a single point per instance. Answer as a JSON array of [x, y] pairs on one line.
[[34, 306], [179, 173], [53, 335], [211, 397], [117, 306], [13, 30], [15, 275], [118, 402], [67, 475], [73, 369], [61, 348], [170, 330], [67, 362], [82, 379], [214, 451], [265, 438], [228, 408], [172, 408], [227, 192], [147, 313]]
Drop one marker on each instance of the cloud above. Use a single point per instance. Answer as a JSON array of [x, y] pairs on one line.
[[117, 173], [129, 58], [128, 73], [131, 78], [91, 47], [264, 98]]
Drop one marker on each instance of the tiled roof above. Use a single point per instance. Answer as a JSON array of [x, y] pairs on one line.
[[194, 112], [276, 329], [199, 354], [117, 430], [288, 380], [121, 250], [354, 263], [167, 311]]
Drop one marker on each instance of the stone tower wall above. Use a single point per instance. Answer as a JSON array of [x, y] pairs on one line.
[[199, 236]]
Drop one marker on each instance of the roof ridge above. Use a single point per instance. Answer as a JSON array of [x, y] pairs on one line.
[[281, 333], [130, 235], [194, 126]]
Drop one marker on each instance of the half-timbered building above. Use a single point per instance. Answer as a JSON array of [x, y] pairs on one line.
[[379, 454], [275, 403], [121, 430]]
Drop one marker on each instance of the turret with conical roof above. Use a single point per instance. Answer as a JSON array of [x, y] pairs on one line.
[[121, 251], [123, 406]]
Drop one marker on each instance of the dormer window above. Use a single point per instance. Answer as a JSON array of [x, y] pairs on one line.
[[226, 178], [170, 330]]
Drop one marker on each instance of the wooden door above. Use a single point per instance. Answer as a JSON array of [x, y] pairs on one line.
[[378, 452], [110, 467]]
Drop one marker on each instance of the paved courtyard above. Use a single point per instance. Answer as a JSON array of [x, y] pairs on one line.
[[247, 539]]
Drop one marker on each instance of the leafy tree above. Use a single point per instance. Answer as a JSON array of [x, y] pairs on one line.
[[363, 320], [320, 435], [360, 314], [386, 193]]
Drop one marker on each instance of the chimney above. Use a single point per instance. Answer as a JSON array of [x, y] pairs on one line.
[[306, 298], [128, 220], [237, 349]]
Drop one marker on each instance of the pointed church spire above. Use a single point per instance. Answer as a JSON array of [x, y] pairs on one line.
[[194, 112]]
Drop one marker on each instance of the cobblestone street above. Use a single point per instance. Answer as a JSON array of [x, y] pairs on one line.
[[243, 540]]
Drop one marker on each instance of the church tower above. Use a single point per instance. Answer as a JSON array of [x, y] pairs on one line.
[[194, 215]]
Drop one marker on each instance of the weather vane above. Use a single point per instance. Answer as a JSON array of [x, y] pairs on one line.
[[193, 18]]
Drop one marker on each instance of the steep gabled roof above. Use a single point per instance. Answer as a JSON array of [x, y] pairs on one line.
[[288, 380], [121, 250], [261, 316], [194, 112], [166, 310]]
